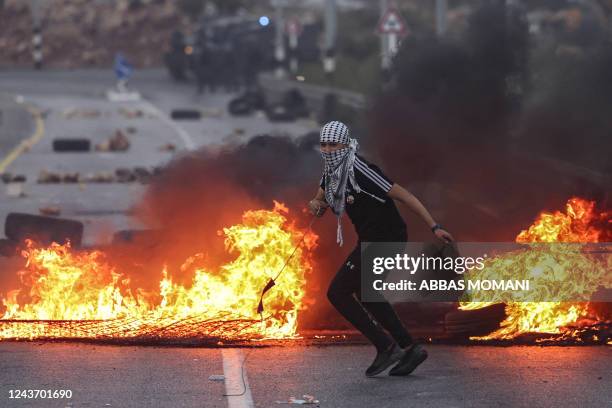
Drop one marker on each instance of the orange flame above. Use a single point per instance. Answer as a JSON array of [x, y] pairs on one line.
[[577, 224], [63, 284]]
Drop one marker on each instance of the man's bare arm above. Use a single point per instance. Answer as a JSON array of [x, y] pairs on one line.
[[318, 205], [404, 196], [320, 194]]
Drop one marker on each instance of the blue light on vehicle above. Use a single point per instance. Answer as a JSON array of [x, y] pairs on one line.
[[264, 21]]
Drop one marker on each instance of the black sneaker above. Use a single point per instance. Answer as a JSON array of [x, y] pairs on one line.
[[385, 360], [411, 360]]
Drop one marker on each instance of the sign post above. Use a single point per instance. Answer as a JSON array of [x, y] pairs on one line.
[[123, 71], [293, 29], [37, 47], [329, 40], [393, 27]]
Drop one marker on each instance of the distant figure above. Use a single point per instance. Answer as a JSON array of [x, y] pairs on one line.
[[176, 58], [252, 64], [203, 68], [123, 71]]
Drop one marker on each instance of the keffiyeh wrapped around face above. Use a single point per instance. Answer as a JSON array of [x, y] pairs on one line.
[[338, 169]]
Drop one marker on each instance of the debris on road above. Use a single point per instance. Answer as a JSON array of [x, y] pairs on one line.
[[142, 174], [47, 177], [119, 142], [13, 178], [216, 377], [71, 177], [124, 175], [168, 147], [8, 247], [131, 130], [306, 400], [186, 114], [72, 113], [51, 211], [211, 113], [131, 113], [43, 229], [100, 177], [121, 175], [247, 103], [15, 190], [71, 145]]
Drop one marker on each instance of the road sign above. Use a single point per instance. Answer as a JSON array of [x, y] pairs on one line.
[[392, 23], [123, 69]]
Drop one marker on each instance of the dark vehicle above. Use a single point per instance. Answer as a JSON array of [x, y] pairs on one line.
[[229, 52], [224, 52]]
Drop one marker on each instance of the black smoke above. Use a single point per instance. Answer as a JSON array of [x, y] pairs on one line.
[[495, 125]]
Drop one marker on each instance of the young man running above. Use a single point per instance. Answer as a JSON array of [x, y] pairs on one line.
[[352, 184]]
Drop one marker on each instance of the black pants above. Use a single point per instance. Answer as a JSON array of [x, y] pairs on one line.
[[370, 318]]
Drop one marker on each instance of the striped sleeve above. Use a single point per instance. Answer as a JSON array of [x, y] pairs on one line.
[[374, 175], [322, 182]]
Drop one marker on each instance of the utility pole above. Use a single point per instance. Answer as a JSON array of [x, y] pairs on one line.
[[384, 40], [391, 27], [441, 7], [37, 55], [331, 30], [279, 39], [294, 30]]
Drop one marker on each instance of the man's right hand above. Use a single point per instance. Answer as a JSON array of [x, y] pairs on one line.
[[317, 207]]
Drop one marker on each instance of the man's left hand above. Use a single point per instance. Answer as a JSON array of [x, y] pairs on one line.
[[444, 235]]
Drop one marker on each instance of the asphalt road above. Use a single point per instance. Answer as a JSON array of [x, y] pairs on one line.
[[15, 122], [453, 376], [105, 208]]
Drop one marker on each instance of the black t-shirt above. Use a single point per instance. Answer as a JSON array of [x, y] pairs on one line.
[[373, 220]]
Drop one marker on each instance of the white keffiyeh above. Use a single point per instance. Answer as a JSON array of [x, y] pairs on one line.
[[338, 169]]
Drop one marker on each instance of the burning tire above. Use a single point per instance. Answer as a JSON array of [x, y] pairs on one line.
[[295, 102], [255, 98], [476, 322], [71, 145], [280, 113], [8, 248], [145, 238], [186, 114], [239, 106], [44, 230]]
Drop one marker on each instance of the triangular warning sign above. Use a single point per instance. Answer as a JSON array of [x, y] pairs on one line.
[[392, 23]]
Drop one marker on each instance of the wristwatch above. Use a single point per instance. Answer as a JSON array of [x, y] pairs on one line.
[[435, 228]]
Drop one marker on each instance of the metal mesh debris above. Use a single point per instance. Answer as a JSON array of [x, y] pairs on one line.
[[222, 329]]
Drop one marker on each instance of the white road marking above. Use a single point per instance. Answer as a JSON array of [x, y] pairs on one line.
[[233, 370], [186, 138]]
